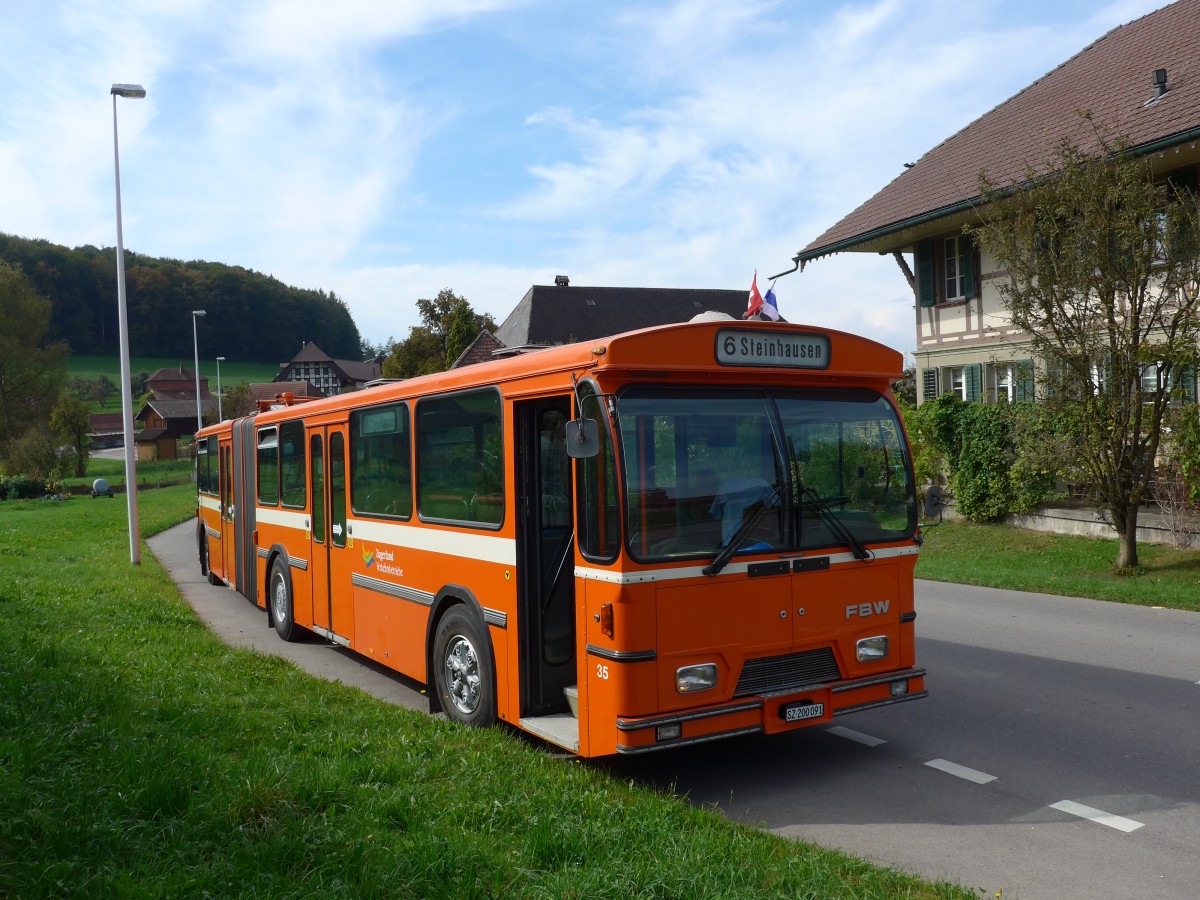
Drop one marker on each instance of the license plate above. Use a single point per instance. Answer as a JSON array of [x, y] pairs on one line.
[[798, 712]]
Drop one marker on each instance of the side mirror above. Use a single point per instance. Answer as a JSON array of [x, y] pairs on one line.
[[933, 502], [583, 438]]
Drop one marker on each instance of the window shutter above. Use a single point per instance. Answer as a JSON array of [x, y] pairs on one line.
[[1024, 379], [974, 378], [967, 261], [931, 387], [926, 284]]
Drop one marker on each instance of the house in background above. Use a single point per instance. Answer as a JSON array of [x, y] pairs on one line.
[[1143, 79], [561, 314], [329, 376], [170, 412], [106, 430]]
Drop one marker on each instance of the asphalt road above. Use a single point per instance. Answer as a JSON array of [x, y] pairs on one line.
[[1056, 756]]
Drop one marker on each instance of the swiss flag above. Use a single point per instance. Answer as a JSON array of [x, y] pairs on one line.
[[755, 302]]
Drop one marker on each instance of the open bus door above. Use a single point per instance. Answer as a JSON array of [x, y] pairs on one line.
[[332, 597], [546, 557]]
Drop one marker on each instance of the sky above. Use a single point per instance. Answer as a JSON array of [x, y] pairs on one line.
[[383, 150]]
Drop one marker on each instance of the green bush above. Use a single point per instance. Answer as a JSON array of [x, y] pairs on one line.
[[27, 487], [999, 458]]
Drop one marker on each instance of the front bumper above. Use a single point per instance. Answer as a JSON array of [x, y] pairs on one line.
[[762, 714]]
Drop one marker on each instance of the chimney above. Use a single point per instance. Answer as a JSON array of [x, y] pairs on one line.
[[562, 280], [1160, 83]]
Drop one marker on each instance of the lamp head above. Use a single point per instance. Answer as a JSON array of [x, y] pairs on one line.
[[133, 91], [198, 312]]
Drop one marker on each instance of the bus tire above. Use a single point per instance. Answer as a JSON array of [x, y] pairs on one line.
[[280, 598], [463, 673]]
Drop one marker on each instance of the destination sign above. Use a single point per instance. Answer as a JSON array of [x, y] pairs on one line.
[[766, 348]]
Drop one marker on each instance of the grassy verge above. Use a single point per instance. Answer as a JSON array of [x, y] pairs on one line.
[[1005, 557], [140, 756]]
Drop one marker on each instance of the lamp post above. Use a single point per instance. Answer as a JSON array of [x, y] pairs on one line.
[[133, 92], [196, 314], [220, 412]]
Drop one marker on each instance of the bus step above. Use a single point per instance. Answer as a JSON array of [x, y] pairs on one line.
[[572, 693], [561, 729]]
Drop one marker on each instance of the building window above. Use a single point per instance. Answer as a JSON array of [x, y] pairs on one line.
[[956, 383], [952, 288], [1006, 383], [946, 270]]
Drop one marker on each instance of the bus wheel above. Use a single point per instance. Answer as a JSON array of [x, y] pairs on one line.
[[281, 602], [462, 671]]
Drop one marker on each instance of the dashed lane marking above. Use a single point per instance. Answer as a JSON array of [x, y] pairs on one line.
[[851, 735], [1097, 815], [950, 768]]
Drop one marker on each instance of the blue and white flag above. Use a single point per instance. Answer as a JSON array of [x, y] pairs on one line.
[[770, 306]]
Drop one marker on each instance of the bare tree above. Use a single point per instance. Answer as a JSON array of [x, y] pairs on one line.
[[1103, 265]]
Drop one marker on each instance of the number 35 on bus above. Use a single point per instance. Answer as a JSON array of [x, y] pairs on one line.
[[655, 539]]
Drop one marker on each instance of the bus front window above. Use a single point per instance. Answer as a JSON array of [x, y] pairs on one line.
[[850, 468], [775, 471], [696, 465]]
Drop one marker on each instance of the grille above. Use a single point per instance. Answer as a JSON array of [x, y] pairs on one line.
[[785, 673]]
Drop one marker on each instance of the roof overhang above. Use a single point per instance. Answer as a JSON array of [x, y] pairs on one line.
[[1166, 153]]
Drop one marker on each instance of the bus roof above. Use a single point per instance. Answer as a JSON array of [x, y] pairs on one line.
[[679, 349]]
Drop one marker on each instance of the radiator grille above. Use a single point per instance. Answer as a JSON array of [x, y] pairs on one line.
[[791, 672]]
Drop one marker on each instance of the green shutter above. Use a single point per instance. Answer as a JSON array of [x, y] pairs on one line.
[[973, 375], [931, 388], [966, 248], [1024, 379], [926, 279]]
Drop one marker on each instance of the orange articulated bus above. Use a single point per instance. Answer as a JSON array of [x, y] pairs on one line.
[[650, 540]]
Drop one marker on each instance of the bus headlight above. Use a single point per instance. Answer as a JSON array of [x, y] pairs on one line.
[[872, 649], [691, 679]]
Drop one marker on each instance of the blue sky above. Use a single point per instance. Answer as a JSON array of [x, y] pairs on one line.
[[386, 149]]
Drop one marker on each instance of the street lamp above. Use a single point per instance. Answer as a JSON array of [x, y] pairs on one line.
[[134, 92], [196, 314], [220, 413]]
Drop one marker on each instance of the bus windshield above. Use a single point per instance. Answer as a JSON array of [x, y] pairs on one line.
[[770, 470]]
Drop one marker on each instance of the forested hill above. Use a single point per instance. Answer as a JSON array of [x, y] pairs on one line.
[[250, 317]]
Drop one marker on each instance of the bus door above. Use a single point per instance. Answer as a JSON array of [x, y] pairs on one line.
[[333, 611], [546, 556], [223, 563]]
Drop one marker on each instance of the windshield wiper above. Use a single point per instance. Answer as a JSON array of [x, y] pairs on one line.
[[753, 516], [821, 505]]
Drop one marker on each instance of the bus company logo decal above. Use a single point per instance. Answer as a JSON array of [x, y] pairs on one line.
[[382, 560], [863, 610]]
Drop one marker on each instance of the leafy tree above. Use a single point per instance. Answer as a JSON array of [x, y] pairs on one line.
[[101, 389], [237, 401], [906, 388], [32, 372], [35, 454], [71, 430], [448, 326], [1102, 262]]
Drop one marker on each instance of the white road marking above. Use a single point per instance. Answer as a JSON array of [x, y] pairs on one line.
[[961, 771], [851, 735], [1097, 815]]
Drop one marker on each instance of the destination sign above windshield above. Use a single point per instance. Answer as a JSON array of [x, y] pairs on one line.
[[766, 348]]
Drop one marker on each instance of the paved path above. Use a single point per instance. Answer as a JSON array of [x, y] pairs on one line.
[[239, 623]]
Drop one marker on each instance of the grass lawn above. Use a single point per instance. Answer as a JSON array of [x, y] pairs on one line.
[[1005, 557], [92, 367], [141, 756]]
